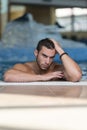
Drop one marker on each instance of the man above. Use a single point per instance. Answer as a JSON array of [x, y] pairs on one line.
[[44, 68]]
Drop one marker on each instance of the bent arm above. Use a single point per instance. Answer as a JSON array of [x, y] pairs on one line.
[[19, 73], [18, 76], [72, 71]]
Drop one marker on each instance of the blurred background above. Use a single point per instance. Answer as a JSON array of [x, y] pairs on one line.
[[69, 15]]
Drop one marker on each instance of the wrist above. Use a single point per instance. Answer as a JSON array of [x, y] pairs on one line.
[[64, 53], [60, 51]]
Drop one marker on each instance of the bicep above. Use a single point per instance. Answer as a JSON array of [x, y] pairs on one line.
[[16, 69], [20, 67], [16, 72]]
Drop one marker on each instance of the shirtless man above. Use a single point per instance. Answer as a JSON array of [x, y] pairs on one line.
[[44, 68]]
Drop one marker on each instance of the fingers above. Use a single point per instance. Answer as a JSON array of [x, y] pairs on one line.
[[58, 74], [58, 47], [54, 75]]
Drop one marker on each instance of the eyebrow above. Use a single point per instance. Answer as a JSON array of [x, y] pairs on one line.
[[48, 56]]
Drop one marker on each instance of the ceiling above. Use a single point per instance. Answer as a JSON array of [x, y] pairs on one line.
[[55, 3]]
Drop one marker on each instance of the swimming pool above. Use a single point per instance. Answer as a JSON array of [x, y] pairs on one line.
[[6, 65], [11, 55]]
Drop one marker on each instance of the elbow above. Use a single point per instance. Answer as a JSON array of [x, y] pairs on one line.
[[6, 77], [76, 77]]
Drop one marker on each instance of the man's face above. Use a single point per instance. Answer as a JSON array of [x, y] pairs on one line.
[[45, 57]]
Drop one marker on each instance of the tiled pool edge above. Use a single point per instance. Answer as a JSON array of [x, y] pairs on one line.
[[51, 83]]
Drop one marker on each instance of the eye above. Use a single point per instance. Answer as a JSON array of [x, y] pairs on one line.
[[52, 57], [44, 55]]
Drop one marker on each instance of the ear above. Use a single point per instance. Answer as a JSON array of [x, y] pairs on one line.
[[36, 52]]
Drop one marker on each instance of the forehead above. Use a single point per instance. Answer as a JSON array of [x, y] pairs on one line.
[[47, 51]]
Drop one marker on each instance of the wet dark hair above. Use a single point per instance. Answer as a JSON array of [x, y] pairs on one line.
[[45, 42]]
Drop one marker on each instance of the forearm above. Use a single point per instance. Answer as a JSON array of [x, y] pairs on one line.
[[72, 70], [17, 76]]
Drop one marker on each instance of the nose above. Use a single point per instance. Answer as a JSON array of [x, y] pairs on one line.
[[47, 60]]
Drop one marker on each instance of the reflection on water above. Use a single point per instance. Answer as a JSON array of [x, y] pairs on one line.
[[84, 70], [6, 65]]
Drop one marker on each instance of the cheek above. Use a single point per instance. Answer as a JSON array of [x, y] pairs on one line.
[[51, 61], [39, 59]]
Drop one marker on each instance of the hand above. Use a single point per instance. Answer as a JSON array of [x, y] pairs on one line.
[[53, 75], [58, 47]]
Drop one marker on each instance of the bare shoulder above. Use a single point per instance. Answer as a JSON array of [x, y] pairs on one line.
[[29, 63], [22, 67]]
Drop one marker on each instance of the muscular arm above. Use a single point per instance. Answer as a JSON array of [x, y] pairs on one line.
[[22, 73], [72, 70]]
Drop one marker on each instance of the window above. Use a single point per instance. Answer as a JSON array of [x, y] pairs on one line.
[[73, 19]]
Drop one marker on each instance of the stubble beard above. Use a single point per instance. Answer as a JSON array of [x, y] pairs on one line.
[[41, 66]]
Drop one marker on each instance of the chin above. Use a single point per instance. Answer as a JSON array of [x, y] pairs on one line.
[[44, 68]]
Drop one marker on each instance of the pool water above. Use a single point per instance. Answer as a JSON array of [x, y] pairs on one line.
[[6, 65], [84, 70]]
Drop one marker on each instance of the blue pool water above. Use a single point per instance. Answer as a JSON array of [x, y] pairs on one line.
[[6, 65], [9, 56], [84, 70]]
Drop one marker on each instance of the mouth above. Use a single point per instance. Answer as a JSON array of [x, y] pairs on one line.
[[44, 67]]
